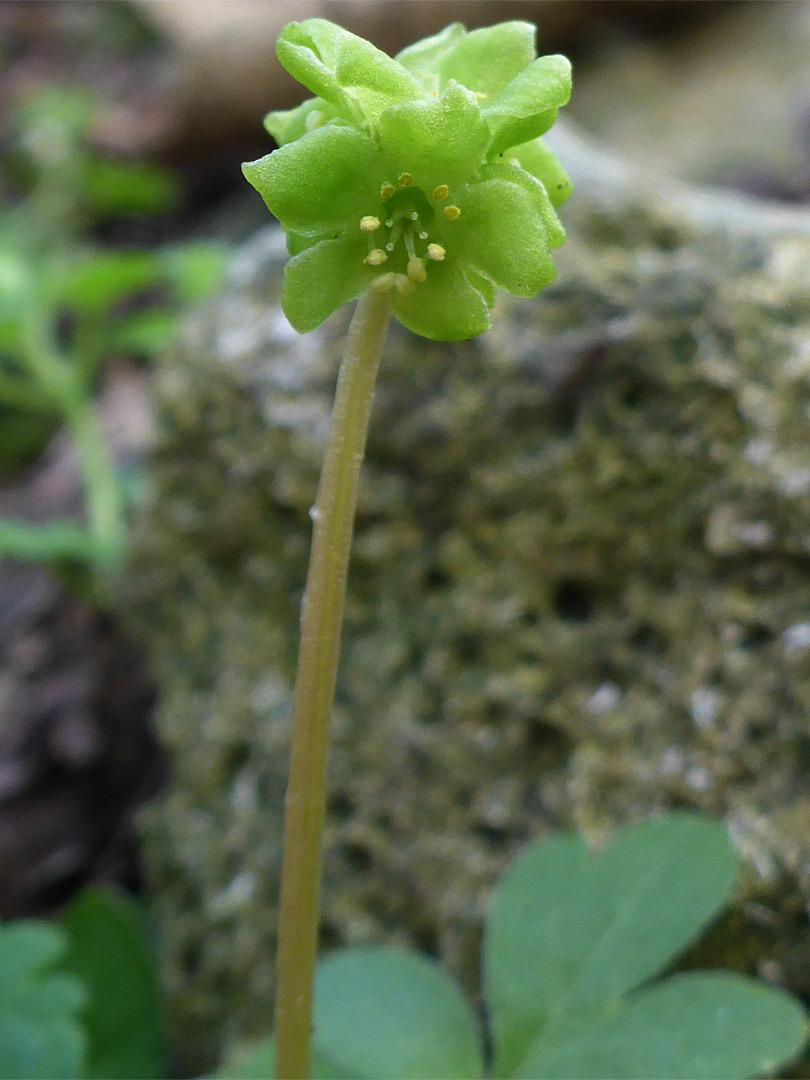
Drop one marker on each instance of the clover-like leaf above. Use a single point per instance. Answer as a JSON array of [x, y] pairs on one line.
[[571, 931], [382, 1014], [40, 1031], [704, 1025]]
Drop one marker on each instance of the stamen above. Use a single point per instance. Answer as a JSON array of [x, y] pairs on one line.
[[479, 95], [375, 257], [405, 180], [384, 282], [416, 270], [396, 232], [404, 285], [369, 223], [387, 190], [436, 252], [413, 215], [423, 236], [389, 223], [409, 244], [314, 120], [441, 192], [452, 213]]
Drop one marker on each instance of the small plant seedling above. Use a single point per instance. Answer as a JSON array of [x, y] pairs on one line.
[[418, 186], [66, 304], [574, 946]]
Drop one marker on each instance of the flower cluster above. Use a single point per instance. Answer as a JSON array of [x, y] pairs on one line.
[[424, 174]]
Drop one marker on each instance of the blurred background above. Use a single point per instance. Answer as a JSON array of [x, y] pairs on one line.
[[122, 130]]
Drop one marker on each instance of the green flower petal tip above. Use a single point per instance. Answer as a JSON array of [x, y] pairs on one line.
[[423, 174]]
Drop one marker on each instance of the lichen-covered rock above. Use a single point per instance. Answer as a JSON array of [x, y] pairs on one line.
[[580, 592]]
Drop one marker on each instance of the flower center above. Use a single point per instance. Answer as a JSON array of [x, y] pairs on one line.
[[400, 231]]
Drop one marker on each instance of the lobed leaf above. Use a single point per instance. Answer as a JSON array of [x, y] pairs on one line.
[[110, 951], [705, 1026], [570, 930]]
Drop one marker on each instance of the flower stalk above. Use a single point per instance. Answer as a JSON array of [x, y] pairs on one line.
[[321, 620]]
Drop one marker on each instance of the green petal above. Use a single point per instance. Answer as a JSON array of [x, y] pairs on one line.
[[486, 60], [503, 235], [446, 307], [536, 158], [528, 105], [535, 189], [323, 277], [424, 56], [439, 141], [322, 181], [357, 78], [286, 125]]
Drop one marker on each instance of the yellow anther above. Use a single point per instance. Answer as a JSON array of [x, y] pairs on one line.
[[436, 252], [404, 285], [314, 120], [479, 95], [414, 216], [416, 270], [384, 281], [375, 257], [369, 223], [452, 213], [387, 190], [441, 192], [405, 180]]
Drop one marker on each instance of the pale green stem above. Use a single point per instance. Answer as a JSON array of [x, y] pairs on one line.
[[321, 619]]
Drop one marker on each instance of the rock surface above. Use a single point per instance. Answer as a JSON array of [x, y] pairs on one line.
[[580, 592]]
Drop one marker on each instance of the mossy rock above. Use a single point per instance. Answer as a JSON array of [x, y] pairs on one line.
[[580, 593]]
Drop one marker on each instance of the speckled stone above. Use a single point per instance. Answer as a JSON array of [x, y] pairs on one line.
[[580, 592]]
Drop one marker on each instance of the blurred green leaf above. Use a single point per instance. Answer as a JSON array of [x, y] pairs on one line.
[[123, 187], [382, 1013], [110, 950], [194, 270], [40, 1033], [93, 282], [705, 1026], [144, 333]]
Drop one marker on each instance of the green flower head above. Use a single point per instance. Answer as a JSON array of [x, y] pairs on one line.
[[424, 174]]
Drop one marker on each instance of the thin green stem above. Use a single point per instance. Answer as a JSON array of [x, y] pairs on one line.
[[321, 619]]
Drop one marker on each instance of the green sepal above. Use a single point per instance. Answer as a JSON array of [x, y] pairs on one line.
[[535, 189], [322, 277], [357, 78], [425, 56], [438, 141], [322, 182], [527, 107], [487, 60], [539, 161], [446, 307], [287, 125], [503, 234]]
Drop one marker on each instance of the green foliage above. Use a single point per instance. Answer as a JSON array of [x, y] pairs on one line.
[[571, 943], [81, 999], [67, 304], [110, 951], [40, 1032], [424, 175]]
